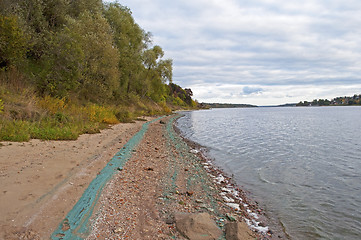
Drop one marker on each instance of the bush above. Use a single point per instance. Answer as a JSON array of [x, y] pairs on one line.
[[100, 114], [12, 42], [124, 116], [16, 131], [54, 133], [178, 102], [61, 117], [53, 105], [1, 106]]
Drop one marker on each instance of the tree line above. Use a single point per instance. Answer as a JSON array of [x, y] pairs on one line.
[[339, 101], [84, 49]]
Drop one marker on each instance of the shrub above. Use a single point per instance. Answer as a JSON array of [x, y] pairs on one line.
[[100, 114], [177, 101], [166, 109], [16, 131], [12, 42], [124, 115], [1, 106], [53, 105], [61, 117], [54, 133]]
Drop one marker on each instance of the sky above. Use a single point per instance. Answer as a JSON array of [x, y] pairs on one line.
[[262, 52]]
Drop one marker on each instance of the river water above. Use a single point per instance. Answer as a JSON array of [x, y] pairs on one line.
[[303, 164]]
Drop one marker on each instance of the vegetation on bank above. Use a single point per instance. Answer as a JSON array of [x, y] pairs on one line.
[[225, 105], [73, 67], [339, 101]]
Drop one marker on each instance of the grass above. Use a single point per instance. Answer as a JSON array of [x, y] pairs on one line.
[[24, 116], [15, 131]]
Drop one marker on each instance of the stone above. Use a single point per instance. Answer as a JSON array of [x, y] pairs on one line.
[[198, 226], [231, 217], [189, 193], [238, 231]]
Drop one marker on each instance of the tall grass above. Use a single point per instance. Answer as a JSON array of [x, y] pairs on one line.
[[24, 115], [48, 118]]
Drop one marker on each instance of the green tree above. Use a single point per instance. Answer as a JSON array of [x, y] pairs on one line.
[[55, 13], [131, 41], [99, 68], [78, 7], [12, 42], [157, 73], [61, 65]]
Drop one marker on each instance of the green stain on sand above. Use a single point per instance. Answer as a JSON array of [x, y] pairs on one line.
[[76, 223]]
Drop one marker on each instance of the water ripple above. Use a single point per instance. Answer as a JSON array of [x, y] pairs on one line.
[[304, 164]]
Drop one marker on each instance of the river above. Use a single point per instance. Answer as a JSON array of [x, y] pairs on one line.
[[303, 164]]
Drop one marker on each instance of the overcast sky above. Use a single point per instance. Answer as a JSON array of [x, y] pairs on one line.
[[261, 52]]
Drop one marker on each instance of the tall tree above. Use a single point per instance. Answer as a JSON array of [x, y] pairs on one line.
[[62, 65], [55, 13], [100, 66], [131, 40], [12, 42], [157, 73], [77, 7]]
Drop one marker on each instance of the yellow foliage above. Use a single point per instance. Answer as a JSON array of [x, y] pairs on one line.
[[194, 103], [53, 105], [12, 41], [97, 113], [1, 106], [165, 107], [177, 101]]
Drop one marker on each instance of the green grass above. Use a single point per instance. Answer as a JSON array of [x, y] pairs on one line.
[[15, 131], [25, 116]]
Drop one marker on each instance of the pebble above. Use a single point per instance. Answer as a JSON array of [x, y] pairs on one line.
[[230, 217]]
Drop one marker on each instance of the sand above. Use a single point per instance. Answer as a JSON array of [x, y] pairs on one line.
[[42, 180]]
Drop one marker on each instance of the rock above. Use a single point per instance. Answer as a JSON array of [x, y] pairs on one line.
[[170, 220], [161, 122], [231, 217], [238, 231], [189, 193], [199, 226], [170, 197], [206, 207]]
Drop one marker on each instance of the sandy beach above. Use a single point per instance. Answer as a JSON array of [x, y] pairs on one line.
[[164, 181]]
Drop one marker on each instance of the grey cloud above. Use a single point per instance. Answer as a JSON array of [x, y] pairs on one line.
[[274, 43]]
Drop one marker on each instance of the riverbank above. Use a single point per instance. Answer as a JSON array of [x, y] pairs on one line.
[[163, 180], [42, 180]]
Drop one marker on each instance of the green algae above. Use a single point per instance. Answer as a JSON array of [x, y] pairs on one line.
[[197, 176]]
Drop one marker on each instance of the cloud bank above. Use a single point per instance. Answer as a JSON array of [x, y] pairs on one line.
[[261, 52]]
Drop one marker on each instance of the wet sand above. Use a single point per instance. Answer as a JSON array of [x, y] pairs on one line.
[[42, 180]]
